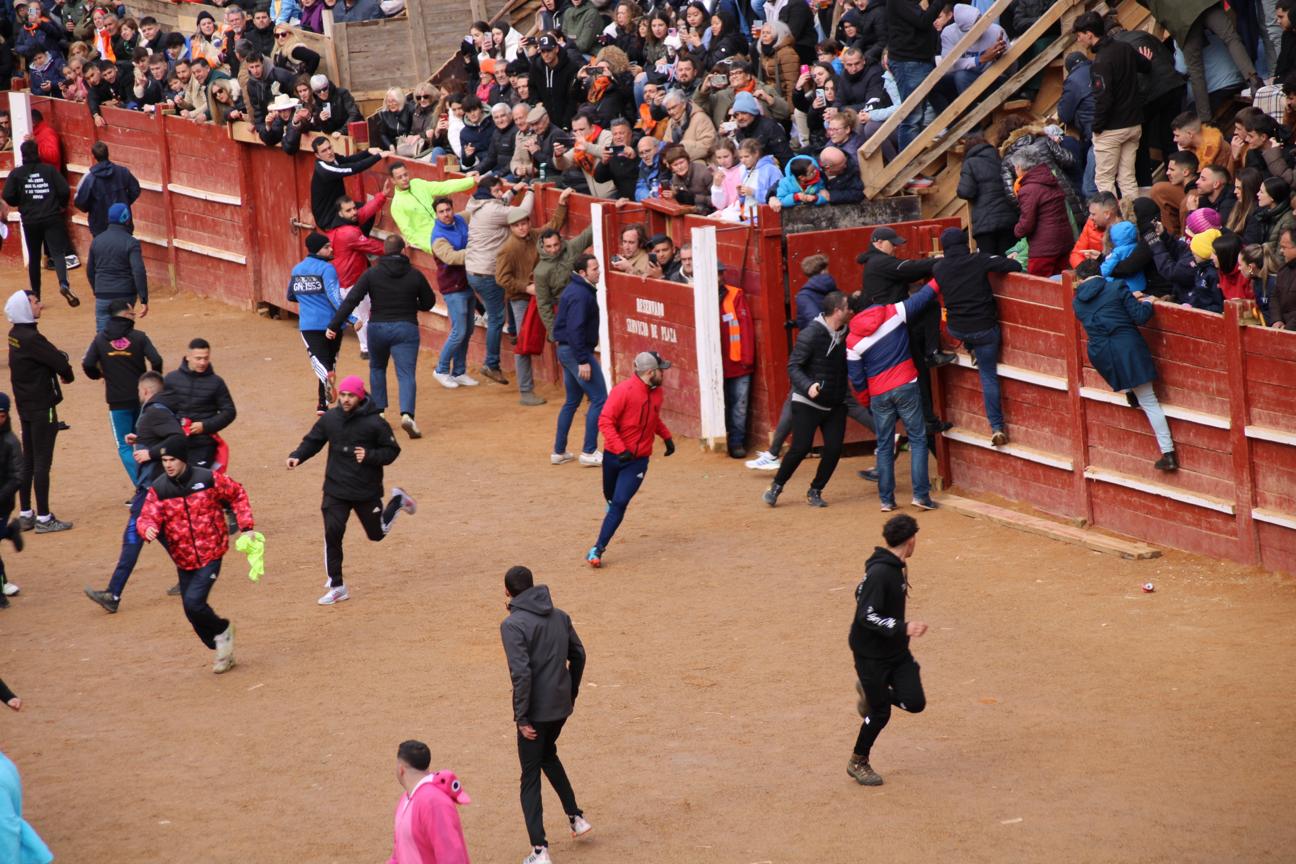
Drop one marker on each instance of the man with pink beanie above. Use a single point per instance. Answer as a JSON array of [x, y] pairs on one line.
[[360, 443], [427, 828]]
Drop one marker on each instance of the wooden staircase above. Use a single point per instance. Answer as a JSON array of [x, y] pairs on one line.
[[941, 156]]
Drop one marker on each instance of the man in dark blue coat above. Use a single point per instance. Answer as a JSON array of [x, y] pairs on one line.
[[106, 184]]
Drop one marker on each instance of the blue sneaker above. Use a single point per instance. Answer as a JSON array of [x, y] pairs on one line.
[[595, 557]]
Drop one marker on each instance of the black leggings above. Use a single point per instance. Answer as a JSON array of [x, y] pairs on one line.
[[995, 242], [373, 516], [924, 340], [52, 233], [886, 683], [805, 422], [322, 352], [38, 437]]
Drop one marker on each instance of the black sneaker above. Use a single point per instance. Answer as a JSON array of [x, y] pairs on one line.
[[4, 601], [26, 523], [815, 499], [174, 590], [104, 599], [49, 526], [870, 474], [364, 355], [936, 359], [771, 495], [1168, 462], [736, 452], [15, 534], [66, 291]]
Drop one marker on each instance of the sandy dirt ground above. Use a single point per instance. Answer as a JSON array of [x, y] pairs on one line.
[[1071, 718]]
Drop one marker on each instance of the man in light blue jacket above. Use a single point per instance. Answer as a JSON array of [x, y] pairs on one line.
[[315, 288]]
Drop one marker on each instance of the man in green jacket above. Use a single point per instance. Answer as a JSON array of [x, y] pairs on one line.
[[553, 272], [581, 23], [411, 207]]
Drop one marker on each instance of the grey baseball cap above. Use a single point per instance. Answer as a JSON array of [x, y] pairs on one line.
[[647, 361]]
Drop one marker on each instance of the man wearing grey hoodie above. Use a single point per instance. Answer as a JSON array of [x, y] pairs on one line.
[[546, 659]]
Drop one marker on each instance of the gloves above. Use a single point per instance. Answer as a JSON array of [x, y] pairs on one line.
[[625, 457], [670, 446], [252, 544]]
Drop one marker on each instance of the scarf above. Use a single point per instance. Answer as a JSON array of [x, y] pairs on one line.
[[584, 161], [597, 88]]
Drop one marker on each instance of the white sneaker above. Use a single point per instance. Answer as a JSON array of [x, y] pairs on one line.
[[410, 426], [334, 595], [408, 504], [465, 380], [579, 827], [764, 461], [560, 458], [224, 651], [446, 380], [592, 460], [10, 589], [539, 855]]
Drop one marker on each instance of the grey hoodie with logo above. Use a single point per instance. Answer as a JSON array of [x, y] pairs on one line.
[[545, 657]]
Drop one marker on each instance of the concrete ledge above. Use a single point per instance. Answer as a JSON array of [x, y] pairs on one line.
[[1052, 530]]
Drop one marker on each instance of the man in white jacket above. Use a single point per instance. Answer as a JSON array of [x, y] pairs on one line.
[[487, 213]]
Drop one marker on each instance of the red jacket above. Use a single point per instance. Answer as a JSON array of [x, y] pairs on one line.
[[631, 417], [747, 351], [48, 145], [188, 511], [1044, 221], [351, 245]]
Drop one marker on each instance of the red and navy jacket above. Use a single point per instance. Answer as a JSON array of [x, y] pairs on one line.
[[631, 417], [188, 511], [877, 344]]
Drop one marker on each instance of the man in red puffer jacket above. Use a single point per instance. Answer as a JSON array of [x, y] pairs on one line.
[[630, 422], [185, 506]]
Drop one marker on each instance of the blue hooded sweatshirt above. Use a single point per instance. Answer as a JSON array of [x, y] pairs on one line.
[[811, 295], [1124, 238], [314, 285], [764, 178], [790, 185]]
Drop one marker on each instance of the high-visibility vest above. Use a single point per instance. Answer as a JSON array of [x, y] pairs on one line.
[[729, 306]]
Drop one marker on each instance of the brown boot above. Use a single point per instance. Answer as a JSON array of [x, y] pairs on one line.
[[1168, 462], [864, 775]]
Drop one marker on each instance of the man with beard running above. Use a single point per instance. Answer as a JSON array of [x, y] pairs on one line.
[[360, 443], [156, 429], [879, 640]]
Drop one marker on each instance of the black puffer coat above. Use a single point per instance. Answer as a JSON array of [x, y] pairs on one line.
[[981, 185], [344, 431], [819, 357]]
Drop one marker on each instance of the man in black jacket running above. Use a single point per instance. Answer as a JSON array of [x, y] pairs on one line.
[[201, 398], [879, 640], [546, 660], [817, 369], [397, 293], [360, 443]]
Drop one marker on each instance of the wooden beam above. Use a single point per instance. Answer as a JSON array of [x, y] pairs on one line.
[[878, 176], [1052, 530], [991, 15], [984, 108], [418, 39]]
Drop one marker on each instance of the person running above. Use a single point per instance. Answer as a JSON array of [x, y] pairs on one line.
[[115, 267], [119, 354], [817, 368], [545, 660], [397, 293], [427, 829], [576, 330], [40, 193], [11, 474], [35, 369], [360, 443], [314, 286], [184, 507], [879, 641], [203, 402], [157, 428], [630, 420]]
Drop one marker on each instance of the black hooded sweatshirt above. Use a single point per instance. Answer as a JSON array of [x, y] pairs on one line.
[[396, 289], [157, 428], [343, 431], [878, 631], [887, 278], [118, 354], [35, 367], [965, 288]]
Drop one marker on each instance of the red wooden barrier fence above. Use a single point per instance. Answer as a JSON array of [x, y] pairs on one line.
[[1077, 449]]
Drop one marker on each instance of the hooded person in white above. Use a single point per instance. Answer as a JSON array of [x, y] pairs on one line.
[[981, 53], [18, 309]]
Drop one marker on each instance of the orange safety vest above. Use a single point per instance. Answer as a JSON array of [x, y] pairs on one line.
[[729, 306]]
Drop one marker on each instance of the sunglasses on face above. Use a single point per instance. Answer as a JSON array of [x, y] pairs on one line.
[[282, 35], [423, 98]]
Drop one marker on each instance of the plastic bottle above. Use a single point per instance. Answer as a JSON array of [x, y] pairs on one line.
[[542, 172]]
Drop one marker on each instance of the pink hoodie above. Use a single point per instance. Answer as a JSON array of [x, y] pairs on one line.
[[427, 829]]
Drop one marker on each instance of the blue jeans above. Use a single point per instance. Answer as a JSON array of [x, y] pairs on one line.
[[1087, 187], [905, 402], [594, 388], [909, 76], [398, 340], [123, 423], [101, 311], [984, 345], [492, 297], [459, 305], [621, 480], [195, 586], [131, 546], [736, 392]]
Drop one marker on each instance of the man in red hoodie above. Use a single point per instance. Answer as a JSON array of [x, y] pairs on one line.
[[630, 420], [351, 247]]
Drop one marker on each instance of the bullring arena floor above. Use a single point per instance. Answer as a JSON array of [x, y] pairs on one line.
[[1071, 717]]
